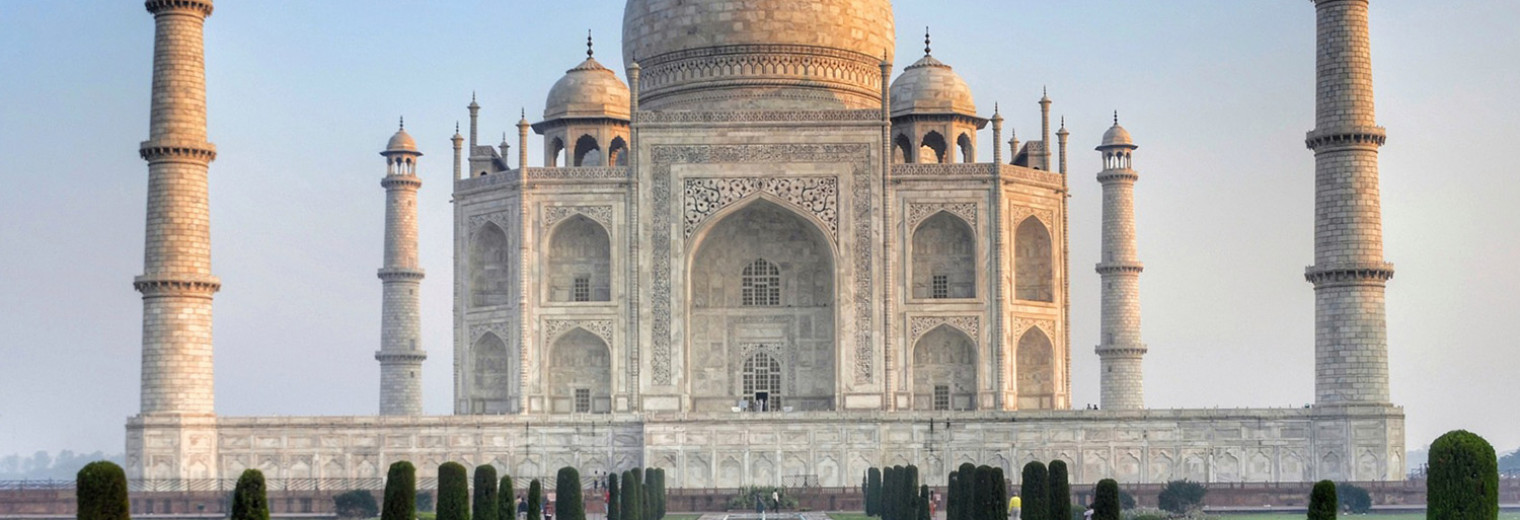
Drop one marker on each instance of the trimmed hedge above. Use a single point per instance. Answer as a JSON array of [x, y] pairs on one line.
[[567, 495], [506, 499], [1060, 491], [249, 499], [967, 481], [1322, 501], [1106, 505], [356, 504], [633, 495], [101, 492], [1035, 490], [484, 500], [1463, 479], [400, 492], [453, 492], [953, 496], [535, 500], [923, 502]]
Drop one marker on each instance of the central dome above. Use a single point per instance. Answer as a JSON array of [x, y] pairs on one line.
[[762, 54]]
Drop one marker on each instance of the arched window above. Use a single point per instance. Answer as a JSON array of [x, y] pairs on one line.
[[580, 262], [491, 375], [944, 252], [968, 151], [556, 151], [762, 382], [932, 150], [489, 267], [1034, 272], [618, 152], [1036, 371], [587, 153], [761, 284], [901, 150]]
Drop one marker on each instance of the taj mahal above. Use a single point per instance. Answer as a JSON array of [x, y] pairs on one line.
[[768, 254]]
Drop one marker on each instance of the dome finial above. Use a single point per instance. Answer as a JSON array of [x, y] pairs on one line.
[[1116, 118], [589, 51], [456, 127], [926, 40], [403, 123]]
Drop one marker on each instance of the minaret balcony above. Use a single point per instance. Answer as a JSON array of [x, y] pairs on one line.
[[1120, 267]]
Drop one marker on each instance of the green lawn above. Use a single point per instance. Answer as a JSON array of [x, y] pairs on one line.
[[682, 516], [1503, 515], [850, 516]]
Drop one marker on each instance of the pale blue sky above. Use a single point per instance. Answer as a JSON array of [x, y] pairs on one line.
[[1218, 95]]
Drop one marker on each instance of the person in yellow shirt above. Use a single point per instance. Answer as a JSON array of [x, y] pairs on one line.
[[1015, 506]]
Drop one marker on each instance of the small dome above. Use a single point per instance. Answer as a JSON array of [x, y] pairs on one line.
[[1117, 136], [588, 90], [930, 87], [401, 142]]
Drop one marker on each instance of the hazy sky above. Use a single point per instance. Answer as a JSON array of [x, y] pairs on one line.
[[303, 94]]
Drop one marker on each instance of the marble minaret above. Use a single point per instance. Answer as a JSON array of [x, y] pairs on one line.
[[177, 284], [400, 353], [1349, 273], [1120, 348]]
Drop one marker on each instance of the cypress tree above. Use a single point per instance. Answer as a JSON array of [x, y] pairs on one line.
[[612, 496], [100, 492], [484, 503], [400, 492], [1322, 501], [453, 492], [909, 493], [249, 500], [535, 500], [888, 492], [984, 507], [649, 500], [952, 496], [1106, 500], [660, 509], [567, 495], [923, 502], [1036, 492], [633, 495], [1060, 491], [967, 481], [1463, 480], [506, 499], [1000, 494], [873, 492]]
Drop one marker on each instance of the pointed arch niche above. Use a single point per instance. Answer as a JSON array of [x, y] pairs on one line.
[[580, 373], [1034, 269], [788, 264], [944, 258], [1036, 371], [491, 375], [579, 263], [944, 370], [489, 267]]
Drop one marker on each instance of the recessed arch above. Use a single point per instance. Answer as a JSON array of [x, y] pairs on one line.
[[944, 370], [944, 258], [932, 148], [617, 151], [556, 153], [902, 150], [490, 373], [587, 152], [1034, 269], [800, 325], [490, 256], [579, 263], [966, 147], [580, 373], [1036, 379]]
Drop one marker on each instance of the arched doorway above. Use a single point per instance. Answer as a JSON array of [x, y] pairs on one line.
[[944, 370], [1036, 371], [580, 374], [761, 279]]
